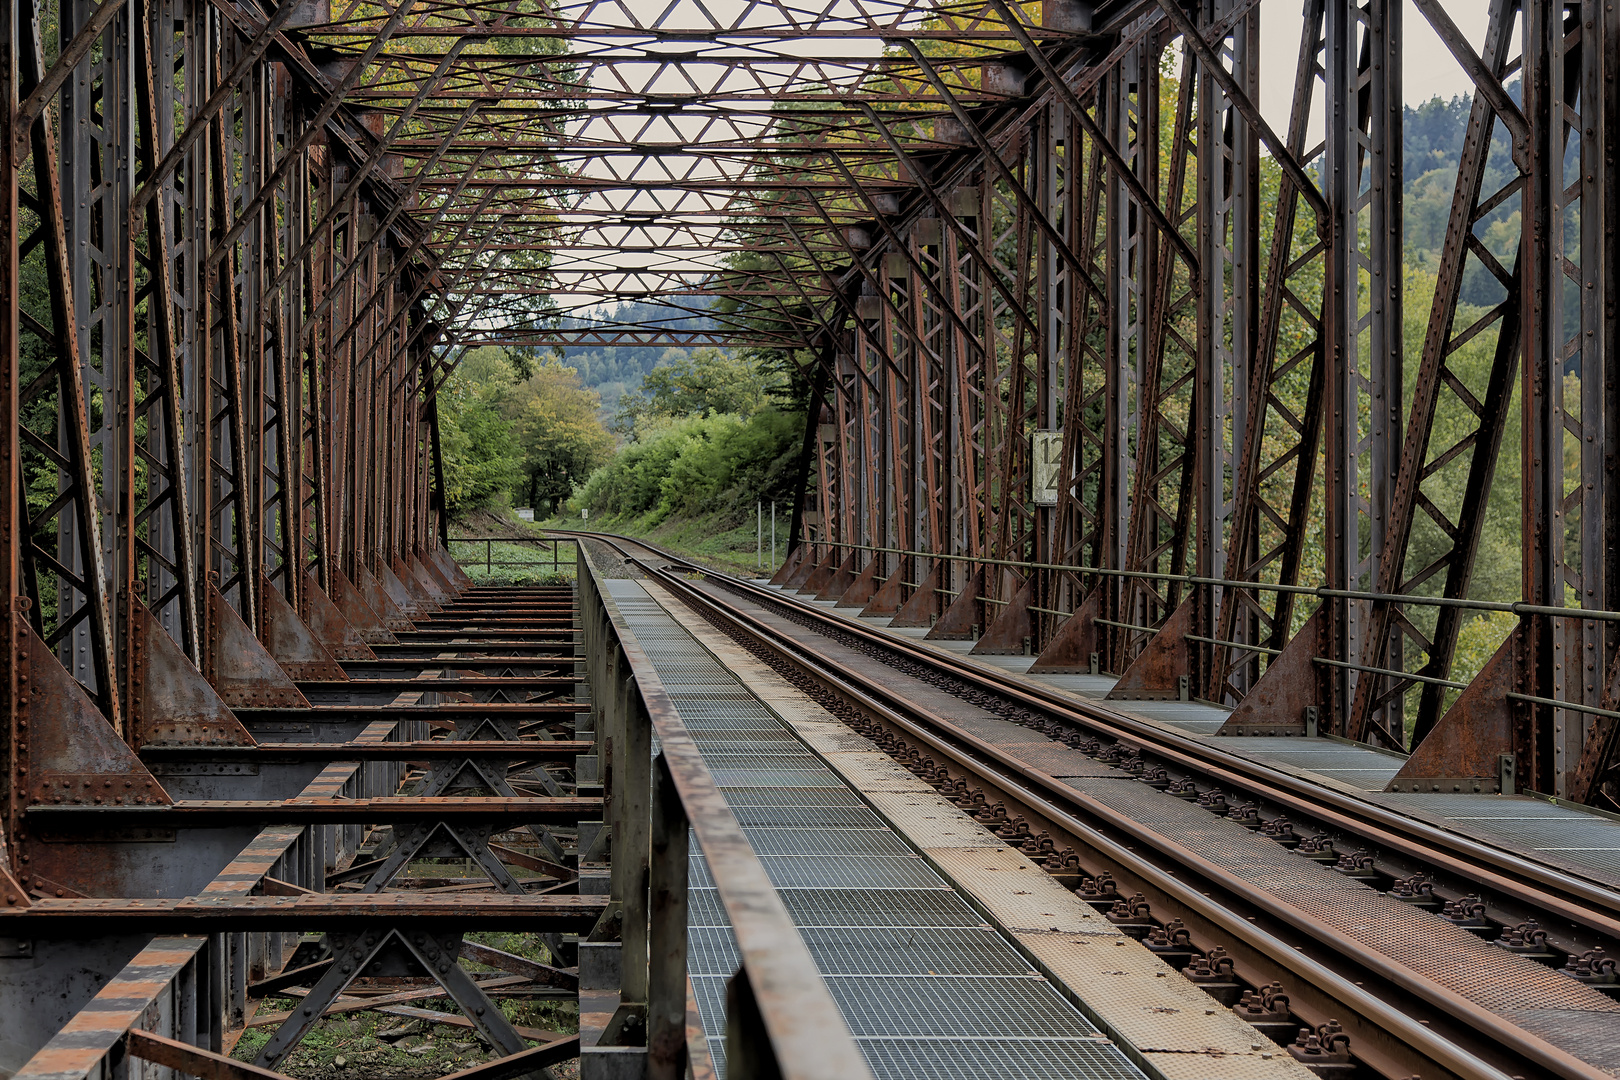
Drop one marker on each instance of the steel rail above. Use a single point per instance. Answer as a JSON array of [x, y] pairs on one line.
[[1535, 885], [1004, 771]]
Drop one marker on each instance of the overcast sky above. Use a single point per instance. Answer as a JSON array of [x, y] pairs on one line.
[[1429, 68]]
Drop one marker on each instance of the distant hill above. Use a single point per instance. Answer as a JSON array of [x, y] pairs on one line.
[[615, 370], [1431, 157]]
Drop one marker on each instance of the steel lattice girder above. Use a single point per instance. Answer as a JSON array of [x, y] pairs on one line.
[[975, 224]]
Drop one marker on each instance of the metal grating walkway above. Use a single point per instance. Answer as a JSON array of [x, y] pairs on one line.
[[930, 991]]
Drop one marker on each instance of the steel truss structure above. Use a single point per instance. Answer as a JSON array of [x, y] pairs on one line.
[[1104, 366]]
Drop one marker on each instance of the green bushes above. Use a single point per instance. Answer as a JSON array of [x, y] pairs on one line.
[[481, 458], [703, 464], [516, 428]]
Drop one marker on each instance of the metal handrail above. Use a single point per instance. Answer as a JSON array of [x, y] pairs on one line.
[[558, 563], [1515, 607], [781, 1019]]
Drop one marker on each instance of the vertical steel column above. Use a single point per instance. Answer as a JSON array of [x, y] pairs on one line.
[[667, 912], [13, 532], [156, 551], [1540, 741], [1343, 504], [1229, 265], [1442, 388]]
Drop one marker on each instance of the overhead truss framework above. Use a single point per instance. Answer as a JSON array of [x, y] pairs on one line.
[[1105, 365]]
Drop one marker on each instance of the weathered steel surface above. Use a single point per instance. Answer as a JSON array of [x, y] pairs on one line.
[[1056, 339], [341, 638], [358, 614], [1162, 668], [290, 643], [1076, 642], [240, 667], [170, 703], [1293, 683]]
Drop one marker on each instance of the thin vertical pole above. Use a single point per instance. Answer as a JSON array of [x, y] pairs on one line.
[[759, 535], [773, 534]]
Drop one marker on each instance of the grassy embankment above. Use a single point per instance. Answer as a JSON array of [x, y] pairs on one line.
[[510, 540]]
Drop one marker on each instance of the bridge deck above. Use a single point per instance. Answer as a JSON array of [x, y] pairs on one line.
[[1576, 839], [859, 849]]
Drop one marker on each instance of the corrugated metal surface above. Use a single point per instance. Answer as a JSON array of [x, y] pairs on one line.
[[1568, 837]]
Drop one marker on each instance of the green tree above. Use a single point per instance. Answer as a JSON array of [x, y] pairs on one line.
[[559, 436], [705, 382], [481, 463]]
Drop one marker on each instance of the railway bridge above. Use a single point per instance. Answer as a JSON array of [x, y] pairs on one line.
[[1197, 649]]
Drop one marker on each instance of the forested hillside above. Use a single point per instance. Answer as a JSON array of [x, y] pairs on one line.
[[615, 370], [1431, 155]]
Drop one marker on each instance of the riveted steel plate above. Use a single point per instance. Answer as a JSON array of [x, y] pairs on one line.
[[912, 951], [980, 1059], [1366, 779], [955, 1006], [1602, 865], [1597, 1034], [1549, 833], [1307, 757], [1470, 806], [870, 907], [1476, 969], [843, 842]]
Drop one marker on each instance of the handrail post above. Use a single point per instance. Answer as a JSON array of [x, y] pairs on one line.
[[749, 1054], [666, 931], [631, 841]]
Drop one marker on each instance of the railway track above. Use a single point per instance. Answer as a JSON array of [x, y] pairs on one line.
[[1325, 920]]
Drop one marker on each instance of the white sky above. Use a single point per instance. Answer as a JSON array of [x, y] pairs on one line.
[[1428, 68]]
